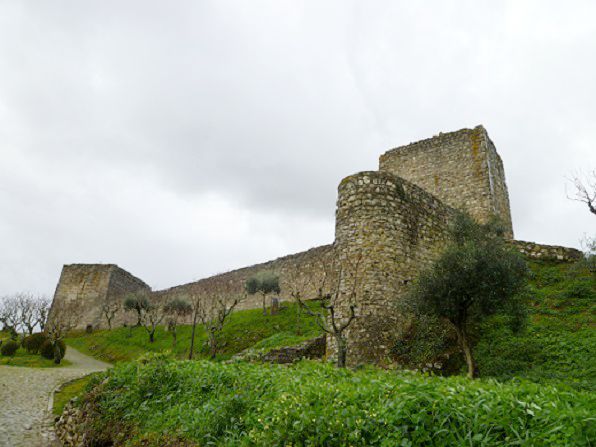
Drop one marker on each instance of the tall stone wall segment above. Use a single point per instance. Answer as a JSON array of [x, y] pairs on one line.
[[84, 288], [386, 230], [462, 169]]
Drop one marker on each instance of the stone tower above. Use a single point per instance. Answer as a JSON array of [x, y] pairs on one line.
[[461, 168]]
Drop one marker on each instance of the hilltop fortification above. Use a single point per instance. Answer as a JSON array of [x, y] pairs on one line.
[[390, 223]]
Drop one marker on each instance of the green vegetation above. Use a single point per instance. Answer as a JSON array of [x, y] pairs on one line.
[[23, 358], [476, 276], [243, 330], [20, 356], [157, 401], [8, 348], [68, 391], [559, 343]]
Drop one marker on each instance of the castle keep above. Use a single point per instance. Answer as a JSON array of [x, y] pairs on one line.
[[390, 224]]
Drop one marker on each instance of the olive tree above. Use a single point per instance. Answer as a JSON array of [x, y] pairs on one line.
[[263, 283], [136, 302], [476, 276]]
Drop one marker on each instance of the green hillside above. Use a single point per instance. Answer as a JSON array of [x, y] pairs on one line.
[[559, 343], [245, 329]]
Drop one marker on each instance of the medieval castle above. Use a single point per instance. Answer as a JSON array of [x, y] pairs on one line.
[[391, 223]]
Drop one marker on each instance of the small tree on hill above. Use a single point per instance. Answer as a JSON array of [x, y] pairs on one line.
[[329, 319], [110, 307], [175, 310], [476, 276], [138, 303], [585, 190], [263, 283], [152, 314], [213, 307]]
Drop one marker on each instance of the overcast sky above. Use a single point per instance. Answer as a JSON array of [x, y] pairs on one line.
[[185, 138]]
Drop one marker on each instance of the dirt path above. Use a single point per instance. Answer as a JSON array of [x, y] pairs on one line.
[[24, 393]]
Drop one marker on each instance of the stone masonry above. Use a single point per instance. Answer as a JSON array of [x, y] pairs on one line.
[[390, 224]]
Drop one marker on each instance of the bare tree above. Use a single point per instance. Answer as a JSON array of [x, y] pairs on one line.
[[152, 314], [329, 320], [212, 308], [64, 319], [42, 308], [110, 307], [585, 189], [26, 307], [176, 309], [9, 314]]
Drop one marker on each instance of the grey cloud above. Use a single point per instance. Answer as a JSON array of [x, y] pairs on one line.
[[115, 114]]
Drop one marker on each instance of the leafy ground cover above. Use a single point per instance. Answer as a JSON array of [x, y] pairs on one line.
[[162, 402], [244, 329]]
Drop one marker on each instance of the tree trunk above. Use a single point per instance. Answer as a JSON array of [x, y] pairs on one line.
[[192, 335], [57, 353], [464, 343], [152, 336], [174, 335], [342, 350], [212, 345]]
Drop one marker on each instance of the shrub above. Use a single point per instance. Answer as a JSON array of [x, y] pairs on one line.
[[9, 348], [33, 342], [47, 349]]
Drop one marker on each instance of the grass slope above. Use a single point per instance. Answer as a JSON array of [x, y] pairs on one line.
[[245, 329], [559, 343], [160, 402], [68, 391]]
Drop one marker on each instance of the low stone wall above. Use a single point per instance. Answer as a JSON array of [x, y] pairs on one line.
[[543, 252], [70, 427], [310, 349]]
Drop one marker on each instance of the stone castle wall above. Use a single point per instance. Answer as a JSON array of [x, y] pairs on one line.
[[390, 224], [301, 271], [460, 168], [84, 288], [387, 229], [543, 252]]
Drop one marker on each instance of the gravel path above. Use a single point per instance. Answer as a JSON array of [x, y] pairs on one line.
[[24, 393]]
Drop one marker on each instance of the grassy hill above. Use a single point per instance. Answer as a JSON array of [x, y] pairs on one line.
[[559, 343], [245, 329]]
